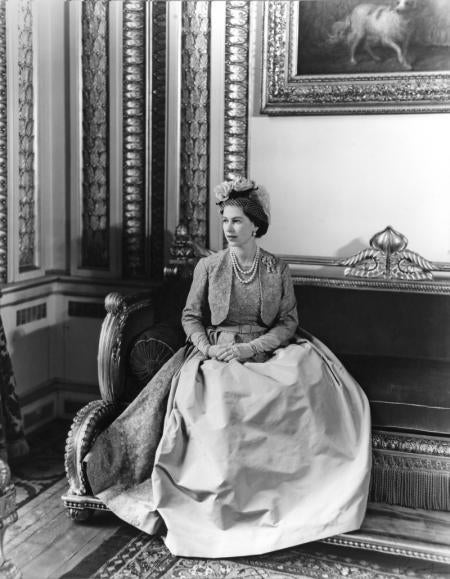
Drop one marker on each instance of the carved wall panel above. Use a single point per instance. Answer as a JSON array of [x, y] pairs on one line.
[[158, 136], [26, 135], [144, 146], [236, 88], [134, 137], [195, 98], [3, 149], [142, 36], [95, 78]]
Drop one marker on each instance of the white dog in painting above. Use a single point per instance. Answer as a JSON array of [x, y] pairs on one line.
[[377, 24]]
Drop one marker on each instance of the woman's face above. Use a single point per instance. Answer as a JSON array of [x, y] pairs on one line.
[[237, 227]]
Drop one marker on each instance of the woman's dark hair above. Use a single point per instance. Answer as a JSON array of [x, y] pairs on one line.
[[262, 226]]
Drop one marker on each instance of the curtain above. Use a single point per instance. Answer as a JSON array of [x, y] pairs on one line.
[[12, 437]]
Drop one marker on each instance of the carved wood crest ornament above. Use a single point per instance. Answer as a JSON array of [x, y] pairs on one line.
[[388, 258]]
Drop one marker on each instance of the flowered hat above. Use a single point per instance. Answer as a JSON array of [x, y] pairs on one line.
[[242, 192]]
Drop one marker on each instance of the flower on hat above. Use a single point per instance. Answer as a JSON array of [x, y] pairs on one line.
[[222, 191], [242, 184], [238, 185]]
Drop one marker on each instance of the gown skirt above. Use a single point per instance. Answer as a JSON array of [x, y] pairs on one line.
[[248, 458]]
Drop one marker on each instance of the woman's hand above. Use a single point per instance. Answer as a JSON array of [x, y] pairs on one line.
[[216, 351], [230, 352]]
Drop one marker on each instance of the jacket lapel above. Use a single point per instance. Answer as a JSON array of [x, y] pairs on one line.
[[220, 291]]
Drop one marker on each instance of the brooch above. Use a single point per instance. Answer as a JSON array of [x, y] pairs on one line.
[[270, 263]]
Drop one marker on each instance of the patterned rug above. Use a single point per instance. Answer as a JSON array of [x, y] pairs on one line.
[[135, 555]]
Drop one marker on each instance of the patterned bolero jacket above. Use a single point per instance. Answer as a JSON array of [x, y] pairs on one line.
[[208, 301]]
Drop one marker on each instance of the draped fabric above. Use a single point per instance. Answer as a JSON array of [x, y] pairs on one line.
[[253, 456], [12, 438]]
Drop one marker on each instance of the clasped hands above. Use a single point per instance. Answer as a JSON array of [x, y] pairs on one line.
[[228, 352]]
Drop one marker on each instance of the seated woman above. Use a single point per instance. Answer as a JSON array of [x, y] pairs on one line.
[[265, 442]]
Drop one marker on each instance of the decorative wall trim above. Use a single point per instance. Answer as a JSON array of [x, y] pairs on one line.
[[3, 148], [26, 133], [438, 447], [31, 314], [95, 151], [158, 135], [134, 137], [432, 287], [388, 258], [386, 264], [236, 88], [195, 101]]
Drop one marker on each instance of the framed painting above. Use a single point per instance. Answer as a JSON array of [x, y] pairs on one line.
[[351, 56]]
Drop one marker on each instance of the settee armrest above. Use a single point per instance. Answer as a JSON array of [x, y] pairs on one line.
[[139, 334], [126, 317], [89, 422]]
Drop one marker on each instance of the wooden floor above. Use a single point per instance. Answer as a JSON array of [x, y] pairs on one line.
[[45, 543]]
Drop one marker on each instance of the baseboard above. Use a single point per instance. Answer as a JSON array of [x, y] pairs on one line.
[[394, 530], [55, 399]]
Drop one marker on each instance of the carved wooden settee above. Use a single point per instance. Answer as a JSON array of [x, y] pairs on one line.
[[392, 334]]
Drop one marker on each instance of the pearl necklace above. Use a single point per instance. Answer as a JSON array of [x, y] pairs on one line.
[[240, 272]]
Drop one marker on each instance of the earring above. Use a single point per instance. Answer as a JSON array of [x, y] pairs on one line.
[[254, 232]]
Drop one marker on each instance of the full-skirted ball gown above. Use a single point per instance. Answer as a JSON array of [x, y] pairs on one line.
[[240, 458]]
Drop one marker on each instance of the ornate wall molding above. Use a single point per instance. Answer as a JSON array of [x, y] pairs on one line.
[[438, 447], [195, 122], [95, 151], [3, 149], [432, 287], [134, 137], [387, 264], [26, 135], [158, 136], [236, 88], [388, 258]]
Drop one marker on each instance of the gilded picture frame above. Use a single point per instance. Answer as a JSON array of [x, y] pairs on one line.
[[307, 53]]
